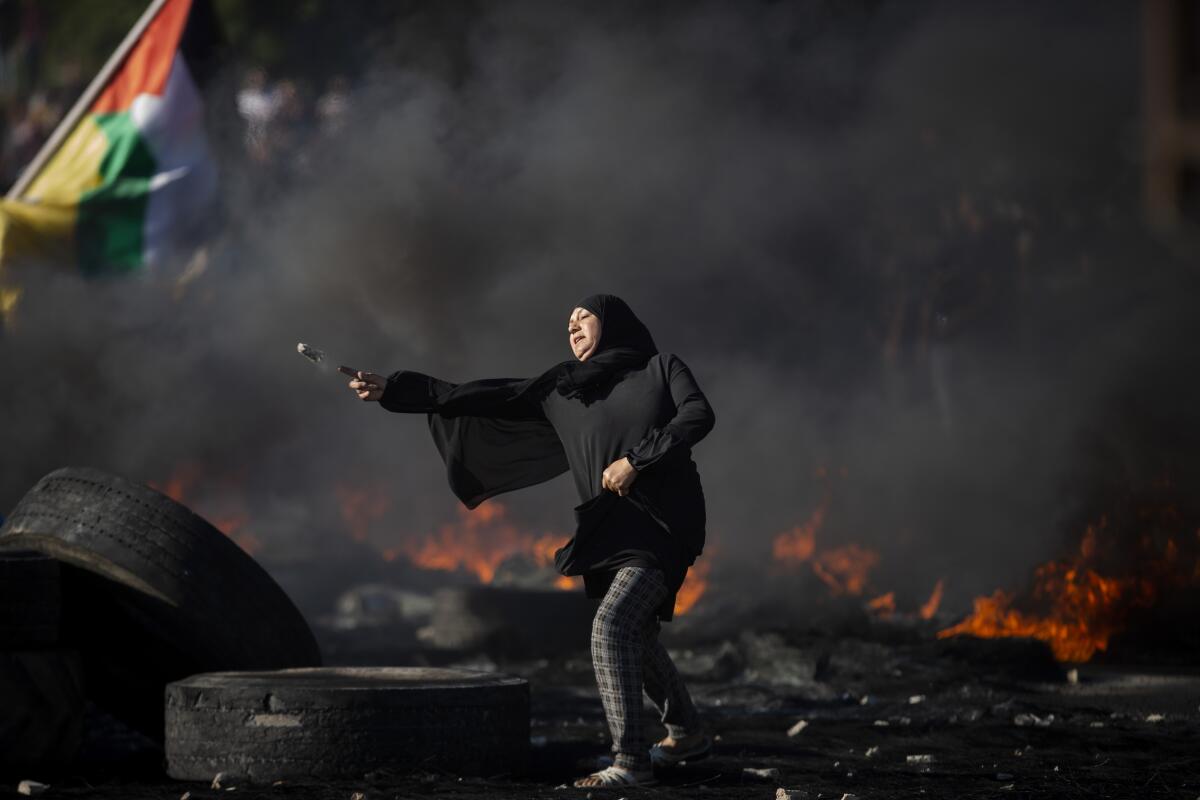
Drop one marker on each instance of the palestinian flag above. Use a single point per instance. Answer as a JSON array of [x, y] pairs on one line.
[[134, 178]]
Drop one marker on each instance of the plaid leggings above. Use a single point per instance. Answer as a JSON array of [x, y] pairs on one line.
[[628, 657]]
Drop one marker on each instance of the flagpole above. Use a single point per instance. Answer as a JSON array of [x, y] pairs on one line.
[[85, 101]]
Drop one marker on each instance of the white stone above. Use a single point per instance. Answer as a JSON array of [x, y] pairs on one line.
[[799, 726]]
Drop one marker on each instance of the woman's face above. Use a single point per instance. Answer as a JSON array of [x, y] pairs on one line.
[[583, 331]]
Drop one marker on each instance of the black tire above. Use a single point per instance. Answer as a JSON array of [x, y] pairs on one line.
[[346, 721], [41, 724], [30, 605], [152, 592]]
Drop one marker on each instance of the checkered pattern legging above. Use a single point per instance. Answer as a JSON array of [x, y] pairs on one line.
[[628, 657]]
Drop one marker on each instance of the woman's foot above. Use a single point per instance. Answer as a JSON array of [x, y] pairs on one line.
[[672, 751], [617, 776]]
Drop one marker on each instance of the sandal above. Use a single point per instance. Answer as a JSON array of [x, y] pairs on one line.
[[617, 776], [661, 756]]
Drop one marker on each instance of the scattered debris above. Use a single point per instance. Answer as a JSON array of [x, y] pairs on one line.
[[219, 780], [916, 698], [359, 796], [1155, 717], [872, 752], [920, 758], [1026, 718], [185, 796], [881, 723], [791, 794], [797, 728], [768, 772], [31, 788]]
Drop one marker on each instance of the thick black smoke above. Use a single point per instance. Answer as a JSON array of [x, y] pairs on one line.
[[901, 242]]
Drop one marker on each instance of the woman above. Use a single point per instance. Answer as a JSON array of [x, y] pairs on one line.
[[623, 418]]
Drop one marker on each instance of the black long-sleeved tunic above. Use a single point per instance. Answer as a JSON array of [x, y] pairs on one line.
[[653, 415]]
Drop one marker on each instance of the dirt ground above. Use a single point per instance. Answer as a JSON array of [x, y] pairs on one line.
[[988, 719]]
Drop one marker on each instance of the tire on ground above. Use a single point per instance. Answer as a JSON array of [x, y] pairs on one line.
[[42, 702], [152, 592], [345, 722], [29, 599]]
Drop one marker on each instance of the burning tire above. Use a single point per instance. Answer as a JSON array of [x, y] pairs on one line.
[[29, 600], [41, 694], [345, 721], [152, 592]]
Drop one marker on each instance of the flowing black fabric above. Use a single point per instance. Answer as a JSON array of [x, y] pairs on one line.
[[500, 434]]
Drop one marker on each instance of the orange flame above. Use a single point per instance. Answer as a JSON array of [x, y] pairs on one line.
[[931, 605], [844, 569], [799, 544], [694, 585], [479, 543], [361, 507], [180, 485], [1072, 606], [884, 605]]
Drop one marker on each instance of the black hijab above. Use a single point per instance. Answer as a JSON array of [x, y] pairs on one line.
[[485, 430], [624, 343]]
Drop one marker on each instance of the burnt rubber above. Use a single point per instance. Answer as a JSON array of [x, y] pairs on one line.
[[41, 709], [152, 592], [30, 605], [345, 722]]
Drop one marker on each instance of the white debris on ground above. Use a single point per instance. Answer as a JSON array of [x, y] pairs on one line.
[[1025, 719], [797, 728], [31, 788], [791, 794]]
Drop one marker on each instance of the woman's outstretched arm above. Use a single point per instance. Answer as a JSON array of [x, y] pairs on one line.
[[693, 419], [405, 391]]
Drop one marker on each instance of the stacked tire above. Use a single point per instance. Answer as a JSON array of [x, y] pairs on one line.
[[41, 681], [146, 592]]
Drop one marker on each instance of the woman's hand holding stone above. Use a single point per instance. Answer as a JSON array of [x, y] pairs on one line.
[[619, 476], [367, 385]]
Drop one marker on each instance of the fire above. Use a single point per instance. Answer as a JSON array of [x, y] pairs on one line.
[[934, 602], [694, 585], [1073, 605], [182, 483], [361, 507], [844, 569], [479, 542], [884, 605], [800, 543]]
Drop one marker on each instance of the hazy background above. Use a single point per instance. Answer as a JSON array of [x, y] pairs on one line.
[[902, 242]]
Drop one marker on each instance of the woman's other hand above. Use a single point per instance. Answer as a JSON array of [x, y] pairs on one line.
[[367, 385], [619, 476]]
